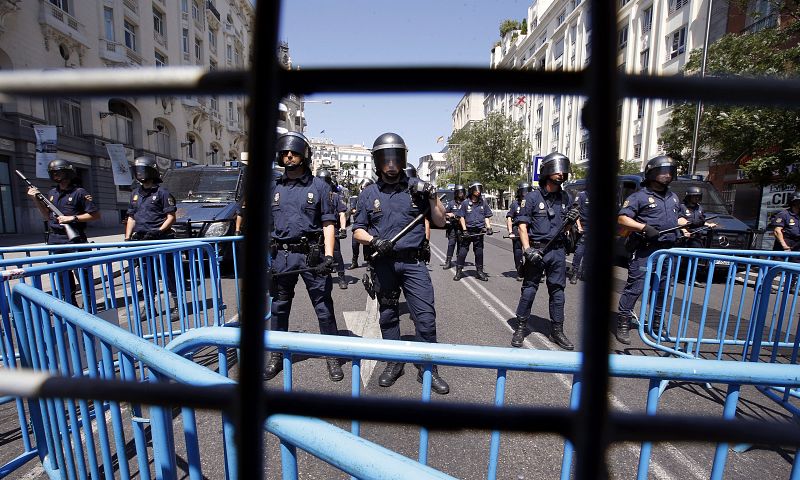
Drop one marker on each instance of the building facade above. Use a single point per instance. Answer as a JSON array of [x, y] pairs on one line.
[[176, 130]]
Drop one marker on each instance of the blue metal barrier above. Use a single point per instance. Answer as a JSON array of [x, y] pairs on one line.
[[653, 369], [67, 427]]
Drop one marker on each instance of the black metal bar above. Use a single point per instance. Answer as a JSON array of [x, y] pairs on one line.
[[591, 428], [264, 98]]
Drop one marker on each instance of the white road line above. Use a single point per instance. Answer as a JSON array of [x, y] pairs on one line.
[[471, 284], [364, 323]]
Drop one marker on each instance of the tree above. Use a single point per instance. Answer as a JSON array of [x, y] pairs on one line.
[[764, 141], [508, 26], [492, 150], [629, 167]]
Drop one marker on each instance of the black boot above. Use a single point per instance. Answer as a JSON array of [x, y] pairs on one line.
[[390, 374], [335, 372], [448, 263], [623, 330], [353, 265], [519, 332], [557, 336], [174, 315], [573, 275], [342, 282], [482, 275], [459, 273], [274, 366], [438, 384]]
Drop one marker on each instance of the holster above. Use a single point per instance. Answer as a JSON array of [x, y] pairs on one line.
[[634, 241], [369, 284]]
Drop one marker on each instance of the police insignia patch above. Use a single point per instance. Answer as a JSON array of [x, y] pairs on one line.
[[276, 199], [778, 220], [791, 222], [69, 199], [626, 203], [135, 197], [688, 212], [541, 205], [651, 200], [171, 201], [522, 205], [310, 197], [88, 197], [376, 205]]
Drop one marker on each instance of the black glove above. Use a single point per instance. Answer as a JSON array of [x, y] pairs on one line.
[[381, 246], [533, 256], [342, 233], [425, 251], [650, 233], [152, 235], [425, 189], [489, 231], [572, 215], [326, 266]]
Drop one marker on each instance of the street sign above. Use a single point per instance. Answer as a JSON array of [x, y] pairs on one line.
[[536, 164]]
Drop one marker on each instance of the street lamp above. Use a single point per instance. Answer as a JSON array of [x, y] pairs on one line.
[[302, 111]]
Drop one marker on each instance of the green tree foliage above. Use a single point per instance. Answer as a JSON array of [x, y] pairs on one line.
[[629, 167], [764, 141], [524, 26], [493, 151], [508, 26]]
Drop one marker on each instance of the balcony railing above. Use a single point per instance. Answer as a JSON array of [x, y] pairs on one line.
[[770, 21]]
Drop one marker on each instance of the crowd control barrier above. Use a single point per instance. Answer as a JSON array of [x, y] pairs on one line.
[[156, 290], [85, 438]]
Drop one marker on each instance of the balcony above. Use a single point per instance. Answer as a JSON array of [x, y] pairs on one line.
[[133, 57], [770, 21], [212, 15], [131, 5], [112, 51], [59, 25], [160, 39]]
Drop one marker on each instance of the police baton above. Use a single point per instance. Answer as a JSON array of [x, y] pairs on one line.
[[402, 233], [299, 270], [571, 218]]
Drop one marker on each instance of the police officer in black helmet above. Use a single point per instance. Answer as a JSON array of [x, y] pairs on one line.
[[786, 227], [473, 216], [695, 217], [151, 212], [356, 246], [543, 212], [411, 172], [341, 223], [649, 211], [452, 227], [383, 210], [513, 230], [303, 231]]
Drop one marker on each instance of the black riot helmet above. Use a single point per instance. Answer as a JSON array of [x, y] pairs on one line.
[[795, 199], [144, 169], [459, 192], [63, 166], [475, 187], [658, 166], [366, 183], [325, 174], [389, 147], [523, 188], [552, 164], [294, 142], [411, 171], [693, 192]]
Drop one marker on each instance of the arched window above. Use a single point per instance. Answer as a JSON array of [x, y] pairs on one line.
[[162, 140], [121, 122]]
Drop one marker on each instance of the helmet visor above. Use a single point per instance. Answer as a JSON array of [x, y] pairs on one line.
[[141, 173], [391, 155], [672, 170]]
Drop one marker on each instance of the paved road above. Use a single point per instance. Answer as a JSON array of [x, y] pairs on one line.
[[478, 313]]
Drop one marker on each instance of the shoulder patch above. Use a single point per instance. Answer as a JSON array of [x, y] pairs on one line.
[[88, 197], [171, 201], [310, 197], [626, 203], [135, 198], [522, 205], [778, 219]]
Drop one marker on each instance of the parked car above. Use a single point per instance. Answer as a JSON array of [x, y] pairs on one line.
[[730, 232]]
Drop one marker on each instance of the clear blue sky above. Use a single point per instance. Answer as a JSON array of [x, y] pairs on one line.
[[324, 33]]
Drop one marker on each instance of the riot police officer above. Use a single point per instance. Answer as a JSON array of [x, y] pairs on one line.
[[411, 172], [544, 212], [786, 224], [341, 222], [473, 216], [646, 213], [695, 217], [383, 210], [452, 227], [582, 202], [303, 231], [356, 246], [513, 231]]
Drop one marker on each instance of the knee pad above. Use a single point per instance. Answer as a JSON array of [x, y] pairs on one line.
[[389, 299], [284, 295]]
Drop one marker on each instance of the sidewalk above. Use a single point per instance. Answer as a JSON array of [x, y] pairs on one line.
[[96, 235]]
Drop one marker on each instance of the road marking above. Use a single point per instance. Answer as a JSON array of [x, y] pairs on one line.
[[364, 324], [471, 284]]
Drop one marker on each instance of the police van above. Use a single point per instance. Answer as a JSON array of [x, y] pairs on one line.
[[730, 232]]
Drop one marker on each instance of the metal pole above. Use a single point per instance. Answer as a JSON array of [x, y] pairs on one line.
[[693, 163]]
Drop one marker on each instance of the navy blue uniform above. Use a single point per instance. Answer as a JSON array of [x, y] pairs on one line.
[[299, 208], [383, 210], [661, 211], [696, 217], [516, 244], [340, 207], [544, 214], [451, 227], [789, 222], [474, 215], [149, 208], [72, 201], [583, 213]]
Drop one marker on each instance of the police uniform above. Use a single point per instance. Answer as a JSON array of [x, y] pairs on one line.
[[582, 202], [149, 208], [696, 217], [474, 215], [516, 245], [72, 201], [299, 208], [544, 214], [340, 207], [660, 211], [451, 228], [789, 222]]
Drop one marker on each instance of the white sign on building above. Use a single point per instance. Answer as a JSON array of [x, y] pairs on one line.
[[774, 198]]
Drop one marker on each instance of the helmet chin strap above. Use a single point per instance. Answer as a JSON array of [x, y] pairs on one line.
[[292, 168]]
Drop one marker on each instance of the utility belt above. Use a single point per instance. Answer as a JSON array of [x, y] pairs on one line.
[[310, 246], [410, 256], [293, 247], [538, 245]]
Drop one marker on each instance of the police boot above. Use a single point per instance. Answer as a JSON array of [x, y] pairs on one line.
[[557, 336], [573, 275], [342, 282], [438, 384], [174, 315], [390, 374], [334, 369], [459, 273], [623, 330], [353, 265], [448, 263], [482, 275], [519, 332], [274, 366]]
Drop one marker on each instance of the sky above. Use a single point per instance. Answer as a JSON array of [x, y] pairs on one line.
[[326, 33]]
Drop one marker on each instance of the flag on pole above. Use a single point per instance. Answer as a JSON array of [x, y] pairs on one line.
[[322, 131], [440, 139], [521, 100]]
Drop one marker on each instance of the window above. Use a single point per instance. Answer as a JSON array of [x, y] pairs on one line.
[[214, 103], [229, 53], [667, 103], [185, 40], [195, 11], [675, 5], [623, 37], [647, 19], [108, 22], [212, 39], [121, 123], [619, 113], [212, 65], [555, 130], [537, 140], [639, 108], [637, 150], [62, 4], [622, 3], [130, 35], [584, 150], [561, 17], [231, 112], [677, 42], [556, 104], [161, 59], [185, 6], [644, 60], [539, 114], [158, 22], [161, 139], [65, 113], [198, 50]]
